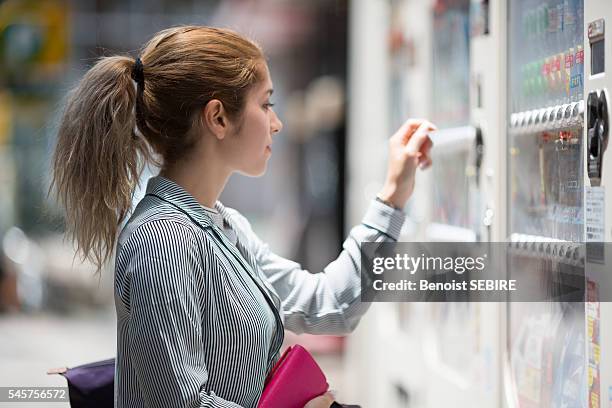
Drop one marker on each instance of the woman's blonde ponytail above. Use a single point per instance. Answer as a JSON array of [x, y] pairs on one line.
[[99, 157]]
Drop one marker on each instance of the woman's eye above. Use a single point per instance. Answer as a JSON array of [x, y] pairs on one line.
[[268, 105]]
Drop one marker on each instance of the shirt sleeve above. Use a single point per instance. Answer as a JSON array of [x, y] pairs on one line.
[[327, 302], [165, 330]]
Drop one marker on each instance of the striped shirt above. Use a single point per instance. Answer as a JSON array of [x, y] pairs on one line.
[[201, 319], [222, 223]]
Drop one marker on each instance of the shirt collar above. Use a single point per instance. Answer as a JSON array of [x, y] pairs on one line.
[[169, 191]]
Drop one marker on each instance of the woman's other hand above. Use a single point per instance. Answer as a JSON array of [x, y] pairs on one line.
[[322, 401], [409, 148]]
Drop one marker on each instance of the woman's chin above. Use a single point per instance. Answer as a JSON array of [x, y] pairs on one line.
[[255, 172]]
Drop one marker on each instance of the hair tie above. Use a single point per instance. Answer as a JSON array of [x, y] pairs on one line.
[[138, 73]]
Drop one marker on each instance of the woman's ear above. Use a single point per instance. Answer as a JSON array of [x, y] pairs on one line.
[[215, 118]]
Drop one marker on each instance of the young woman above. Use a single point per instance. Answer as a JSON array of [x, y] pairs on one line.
[[201, 301]]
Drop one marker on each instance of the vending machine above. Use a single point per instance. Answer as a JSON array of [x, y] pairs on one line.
[[558, 206], [445, 65], [464, 341]]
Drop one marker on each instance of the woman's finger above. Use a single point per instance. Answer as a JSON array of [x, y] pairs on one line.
[[409, 127], [425, 163], [426, 146], [425, 126], [419, 140]]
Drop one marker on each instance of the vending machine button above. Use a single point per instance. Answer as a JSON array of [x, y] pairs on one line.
[[567, 111], [575, 109], [536, 118], [576, 254], [558, 113], [553, 114]]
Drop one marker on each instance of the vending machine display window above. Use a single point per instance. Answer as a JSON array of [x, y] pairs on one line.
[[597, 57], [596, 34]]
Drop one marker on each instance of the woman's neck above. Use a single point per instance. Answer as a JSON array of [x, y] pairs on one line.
[[204, 180]]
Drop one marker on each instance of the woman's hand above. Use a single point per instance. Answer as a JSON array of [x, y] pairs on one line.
[[408, 149], [322, 401]]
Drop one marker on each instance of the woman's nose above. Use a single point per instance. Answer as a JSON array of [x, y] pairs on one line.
[[277, 125]]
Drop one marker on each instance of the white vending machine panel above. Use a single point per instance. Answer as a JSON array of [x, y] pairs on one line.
[[557, 136]]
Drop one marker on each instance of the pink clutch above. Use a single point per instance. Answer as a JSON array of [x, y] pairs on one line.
[[294, 380]]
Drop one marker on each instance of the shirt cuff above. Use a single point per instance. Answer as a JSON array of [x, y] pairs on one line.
[[385, 219]]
